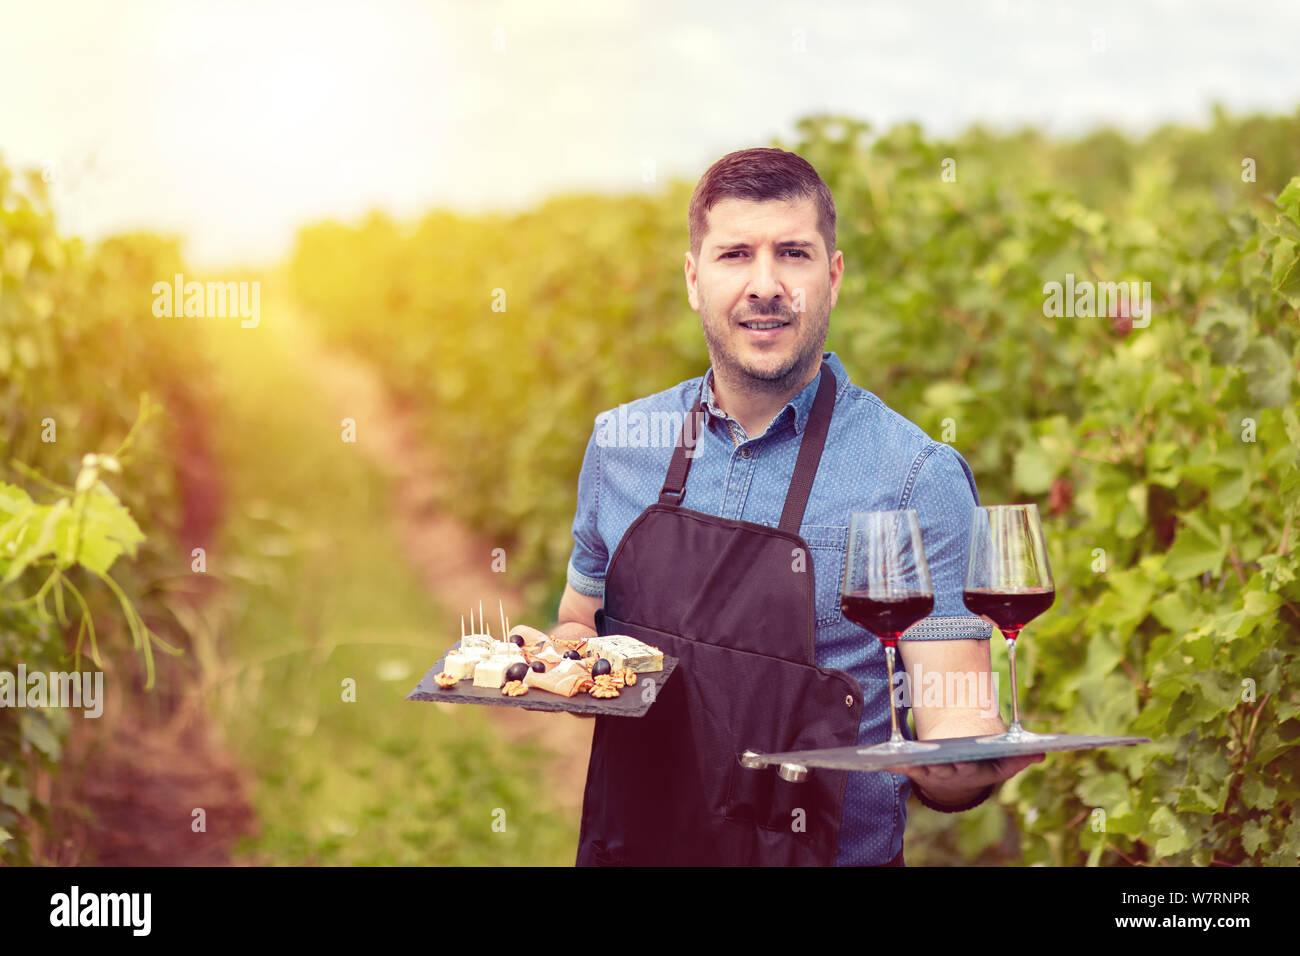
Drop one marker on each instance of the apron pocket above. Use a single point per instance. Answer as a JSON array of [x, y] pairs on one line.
[[761, 798], [791, 810], [749, 794]]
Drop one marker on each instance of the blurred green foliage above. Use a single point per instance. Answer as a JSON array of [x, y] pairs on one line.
[[1164, 457], [80, 357]]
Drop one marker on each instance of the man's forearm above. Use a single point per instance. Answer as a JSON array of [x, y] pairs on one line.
[[964, 724], [953, 690]]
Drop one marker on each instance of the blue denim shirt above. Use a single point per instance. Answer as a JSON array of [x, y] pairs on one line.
[[874, 460]]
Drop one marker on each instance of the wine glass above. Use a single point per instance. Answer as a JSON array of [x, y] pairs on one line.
[[1009, 583], [887, 590]]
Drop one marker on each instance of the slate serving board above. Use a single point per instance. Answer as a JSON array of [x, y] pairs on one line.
[[632, 701], [950, 750]]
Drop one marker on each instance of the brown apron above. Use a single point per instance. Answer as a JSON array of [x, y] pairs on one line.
[[734, 601]]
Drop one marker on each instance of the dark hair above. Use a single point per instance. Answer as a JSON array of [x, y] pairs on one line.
[[759, 175]]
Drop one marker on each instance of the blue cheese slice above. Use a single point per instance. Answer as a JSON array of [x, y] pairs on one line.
[[484, 641], [622, 650], [460, 666]]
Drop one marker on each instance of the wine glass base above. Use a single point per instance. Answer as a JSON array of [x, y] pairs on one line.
[[898, 747], [1016, 737]]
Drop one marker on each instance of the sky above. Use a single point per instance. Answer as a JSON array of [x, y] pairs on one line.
[[235, 122]]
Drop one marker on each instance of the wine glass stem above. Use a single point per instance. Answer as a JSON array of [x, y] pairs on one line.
[[894, 736], [1015, 688]]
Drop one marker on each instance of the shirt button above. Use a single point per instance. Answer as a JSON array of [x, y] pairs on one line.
[[848, 700], [746, 453]]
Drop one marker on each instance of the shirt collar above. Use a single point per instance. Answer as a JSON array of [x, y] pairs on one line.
[[800, 407]]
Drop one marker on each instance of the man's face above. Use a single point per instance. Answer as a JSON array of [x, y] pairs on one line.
[[764, 262]]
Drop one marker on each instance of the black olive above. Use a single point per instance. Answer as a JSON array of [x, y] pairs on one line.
[[517, 671], [517, 640], [601, 666], [539, 667], [573, 655]]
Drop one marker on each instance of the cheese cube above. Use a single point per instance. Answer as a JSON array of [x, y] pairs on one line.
[[460, 666], [492, 672], [484, 641]]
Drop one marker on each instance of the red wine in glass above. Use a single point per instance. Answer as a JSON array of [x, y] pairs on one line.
[[887, 590], [1009, 583], [1009, 610], [886, 615]]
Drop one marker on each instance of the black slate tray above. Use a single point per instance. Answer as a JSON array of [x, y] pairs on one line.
[[951, 750], [632, 701]]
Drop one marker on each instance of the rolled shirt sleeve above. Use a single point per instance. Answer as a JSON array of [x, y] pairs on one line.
[[587, 563], [944, 498]]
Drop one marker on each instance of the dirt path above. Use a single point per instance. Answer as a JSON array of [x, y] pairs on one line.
[[453, 563], [142, 770]]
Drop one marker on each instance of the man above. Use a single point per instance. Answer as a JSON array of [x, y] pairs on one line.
[[726, 550]]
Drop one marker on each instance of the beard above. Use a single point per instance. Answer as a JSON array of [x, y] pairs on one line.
[[770, 370]]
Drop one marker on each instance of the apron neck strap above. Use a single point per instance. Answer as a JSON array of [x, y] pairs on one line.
[[805, 469], [675, 482], [810, 453]]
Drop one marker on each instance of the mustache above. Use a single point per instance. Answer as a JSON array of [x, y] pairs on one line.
[[771, 311]]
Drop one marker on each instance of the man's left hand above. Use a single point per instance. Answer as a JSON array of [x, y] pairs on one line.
[[957, 783]]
